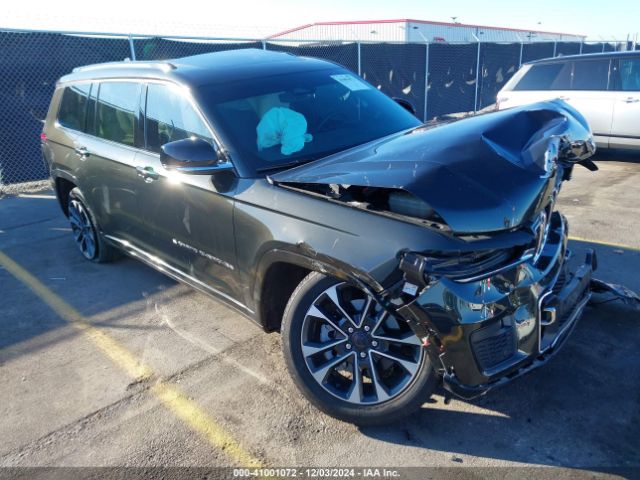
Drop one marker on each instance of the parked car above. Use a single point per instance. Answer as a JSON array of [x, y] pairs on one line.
[[390, 255], [605, 88]]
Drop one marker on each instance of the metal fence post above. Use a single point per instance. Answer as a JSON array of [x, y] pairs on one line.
[[581, 44], [475, 101], [132, 48], [555, 47], [521, 49], [359, 60], [264, 45], [426, 80]]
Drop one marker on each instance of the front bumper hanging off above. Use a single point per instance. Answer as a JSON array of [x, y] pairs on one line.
[[483, 331], [558, 312], [492, 329]]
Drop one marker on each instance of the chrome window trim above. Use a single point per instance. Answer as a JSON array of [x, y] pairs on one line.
[[183, 89]]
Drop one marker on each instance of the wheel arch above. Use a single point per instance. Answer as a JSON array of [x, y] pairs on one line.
[[63, 184], [280, 271]]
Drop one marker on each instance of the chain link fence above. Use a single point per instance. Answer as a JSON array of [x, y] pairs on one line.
[[438, 79]]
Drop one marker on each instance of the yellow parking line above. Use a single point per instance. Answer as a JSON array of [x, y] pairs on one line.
[[607, 244], [174, 400]]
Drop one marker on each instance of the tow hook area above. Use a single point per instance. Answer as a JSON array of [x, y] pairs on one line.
[[620, 292]]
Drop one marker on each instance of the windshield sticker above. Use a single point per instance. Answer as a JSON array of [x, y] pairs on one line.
[[351, 82]]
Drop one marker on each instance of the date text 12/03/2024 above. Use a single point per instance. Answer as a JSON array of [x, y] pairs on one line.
[[317, 472]]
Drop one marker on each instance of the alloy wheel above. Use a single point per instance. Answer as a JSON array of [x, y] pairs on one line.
[[355, 349], [83, 232]]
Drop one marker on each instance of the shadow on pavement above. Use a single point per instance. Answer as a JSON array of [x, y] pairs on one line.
[[35, 234]]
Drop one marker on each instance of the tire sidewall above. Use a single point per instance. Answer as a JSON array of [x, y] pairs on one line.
[[413, 396], [102, 250]]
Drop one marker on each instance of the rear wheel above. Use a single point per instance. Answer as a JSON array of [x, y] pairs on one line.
[[85, 232], [350, 357]]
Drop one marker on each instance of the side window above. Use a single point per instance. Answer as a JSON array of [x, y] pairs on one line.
[[546, 76], [73, 106], [590, 75], [170, 117], [630, 75], [116, 111]]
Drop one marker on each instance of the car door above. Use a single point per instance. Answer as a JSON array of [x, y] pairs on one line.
[[589, 95], [110, 145], [68, 135], [189, 222], [625, 127]]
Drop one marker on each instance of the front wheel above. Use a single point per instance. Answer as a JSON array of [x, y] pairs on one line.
[[350, 357]]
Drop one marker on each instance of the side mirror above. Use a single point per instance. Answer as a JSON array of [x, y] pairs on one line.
[[192, 156], [406, 104]]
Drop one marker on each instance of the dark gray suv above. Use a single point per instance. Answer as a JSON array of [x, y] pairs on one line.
[[391, 255]]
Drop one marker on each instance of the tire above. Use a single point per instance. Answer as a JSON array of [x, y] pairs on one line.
[[86, 232], [330, 331]]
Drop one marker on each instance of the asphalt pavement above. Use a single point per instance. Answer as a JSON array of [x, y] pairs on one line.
[[118, 365]]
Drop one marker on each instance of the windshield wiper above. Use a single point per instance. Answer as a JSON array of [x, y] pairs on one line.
[[282, 165]]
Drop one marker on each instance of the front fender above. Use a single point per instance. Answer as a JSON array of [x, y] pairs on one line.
[[302, 255]]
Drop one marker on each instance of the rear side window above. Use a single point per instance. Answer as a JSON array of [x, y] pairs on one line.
[[73, 106], [116, 111], [171, 117], [630, 75], [590, 75], [549, 76]]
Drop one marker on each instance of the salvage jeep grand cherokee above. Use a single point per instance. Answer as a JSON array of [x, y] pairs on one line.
[[391, 255]]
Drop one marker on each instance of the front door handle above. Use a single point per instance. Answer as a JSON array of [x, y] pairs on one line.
[[82, 152], [148, 173], [632, 100], [565, 98]]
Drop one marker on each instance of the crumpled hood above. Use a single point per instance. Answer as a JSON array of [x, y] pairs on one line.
[[480, 174]]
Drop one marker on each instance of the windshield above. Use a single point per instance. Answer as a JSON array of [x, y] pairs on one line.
[[288, 119]]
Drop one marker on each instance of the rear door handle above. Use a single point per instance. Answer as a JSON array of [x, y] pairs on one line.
[[147, 173], [82, 152], [632, 100], [565, 98]]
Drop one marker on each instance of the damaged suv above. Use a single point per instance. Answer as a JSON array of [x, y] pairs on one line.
[[391, 255]]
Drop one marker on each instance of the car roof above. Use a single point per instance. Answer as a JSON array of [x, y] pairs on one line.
[[587, 56], [205, 69]]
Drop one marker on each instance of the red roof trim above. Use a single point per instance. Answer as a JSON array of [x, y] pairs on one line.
[[428, 22]]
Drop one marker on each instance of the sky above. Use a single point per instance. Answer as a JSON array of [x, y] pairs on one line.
[[598, 19]]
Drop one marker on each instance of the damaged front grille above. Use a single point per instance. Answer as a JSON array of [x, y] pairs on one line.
[[468, 264]]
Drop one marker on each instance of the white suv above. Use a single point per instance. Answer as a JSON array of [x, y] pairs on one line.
[[605, 88]]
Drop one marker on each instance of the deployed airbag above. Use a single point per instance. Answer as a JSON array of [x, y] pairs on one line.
[[283, 126]]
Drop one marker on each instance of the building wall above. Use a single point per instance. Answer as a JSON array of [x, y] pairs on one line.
[[413, 31], [373, 32], [418, 32]]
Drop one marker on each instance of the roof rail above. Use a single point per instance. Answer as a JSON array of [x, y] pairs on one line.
[[163, 66]]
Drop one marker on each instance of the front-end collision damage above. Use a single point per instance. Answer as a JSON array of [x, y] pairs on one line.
[[479, 175], [502, 299], [619, 292]]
